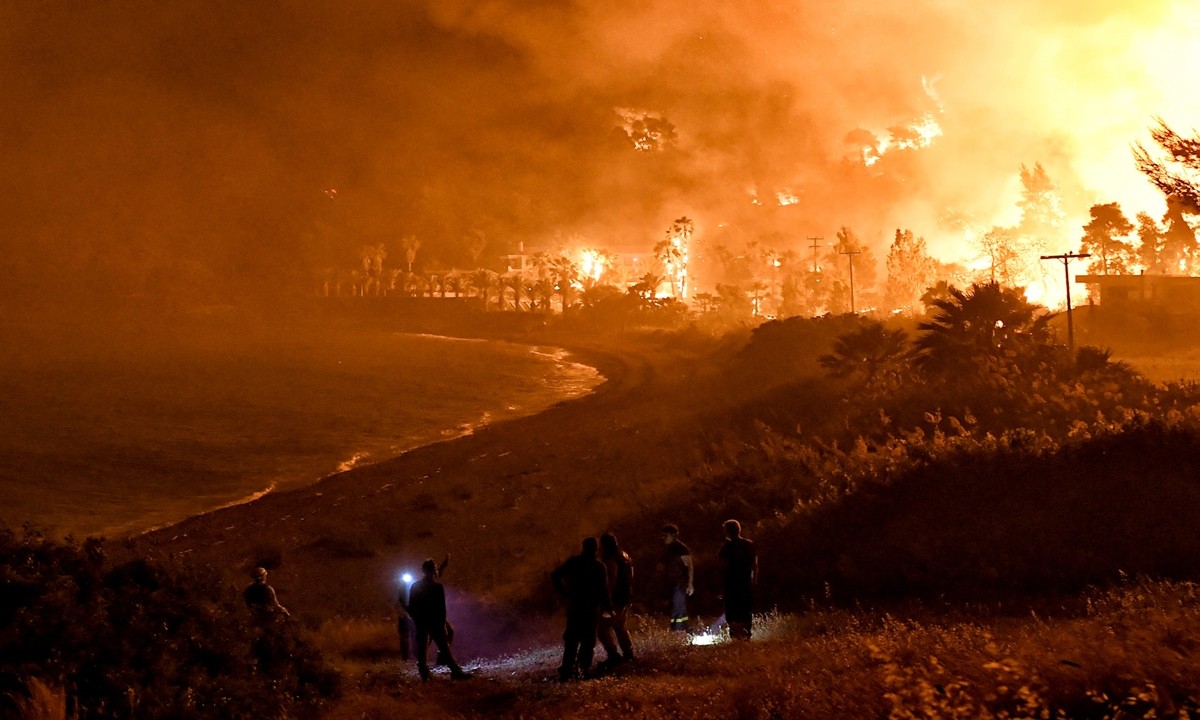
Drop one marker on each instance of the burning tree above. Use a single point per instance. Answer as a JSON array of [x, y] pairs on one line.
[[1149, 247], [372, 257], [1178, 175], [1103, 237], [411, 246], [672, 252], [848, 254], [1178, 251], [910, 270], [647, 131]]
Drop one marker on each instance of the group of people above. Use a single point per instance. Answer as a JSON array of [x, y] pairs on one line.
[[597, 585]]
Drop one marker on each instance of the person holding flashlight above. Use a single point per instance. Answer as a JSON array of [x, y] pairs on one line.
[[403, 626]]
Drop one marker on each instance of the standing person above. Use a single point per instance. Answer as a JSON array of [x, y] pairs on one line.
[[583, 582], [427, 607], [740, 559], [618, 568], [404, 627], [260, 597], [680, 571]]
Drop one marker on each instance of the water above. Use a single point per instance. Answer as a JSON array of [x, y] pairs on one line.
[[119, 438]]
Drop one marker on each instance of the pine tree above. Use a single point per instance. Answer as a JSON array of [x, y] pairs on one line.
[[910, 271], [1103, 238]]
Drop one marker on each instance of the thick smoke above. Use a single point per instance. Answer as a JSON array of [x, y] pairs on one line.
[[193, 152]]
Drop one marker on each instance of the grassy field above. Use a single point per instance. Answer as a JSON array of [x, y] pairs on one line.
[[1126, 652]]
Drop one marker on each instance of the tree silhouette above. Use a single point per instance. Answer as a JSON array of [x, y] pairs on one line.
[[1178, 175], [1178, 251], [868, 351], [483, 280], [1102, 237], [984, 327], [1149, 248]]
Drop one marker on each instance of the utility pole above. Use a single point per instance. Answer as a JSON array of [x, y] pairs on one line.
[[850, 254], [814, 249], [1066, 259]]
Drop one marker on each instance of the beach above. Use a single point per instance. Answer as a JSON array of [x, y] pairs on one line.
[[127, 432], [507, 502]]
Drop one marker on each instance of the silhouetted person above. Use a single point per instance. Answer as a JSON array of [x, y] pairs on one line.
[[427, 607], [678, 566], [618, 568], [404, 627], [260, 597], [740, 560], [583, 582]]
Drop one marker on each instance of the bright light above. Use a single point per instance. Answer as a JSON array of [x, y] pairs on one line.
[[592, 264], [705, 639], [406, 578]]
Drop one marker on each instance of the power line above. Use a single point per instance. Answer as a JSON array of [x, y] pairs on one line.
[[850, 254], [1066, 259], [814, 249]]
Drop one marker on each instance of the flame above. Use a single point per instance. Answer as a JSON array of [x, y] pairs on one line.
[[592, 264], [918, 134], [786, 198]]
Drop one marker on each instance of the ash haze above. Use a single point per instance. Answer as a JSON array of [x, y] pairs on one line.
[[193, 153]]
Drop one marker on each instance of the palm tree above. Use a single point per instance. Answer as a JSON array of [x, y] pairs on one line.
[[544, 289], [867, 351], [647, 286], [483, 280], [984, 325]]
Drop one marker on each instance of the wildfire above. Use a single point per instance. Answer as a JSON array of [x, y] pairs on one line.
[[648, 131], [592, 264], [918, 134], [786, 198]]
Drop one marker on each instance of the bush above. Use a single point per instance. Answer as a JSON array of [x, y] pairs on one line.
[[141, 637]]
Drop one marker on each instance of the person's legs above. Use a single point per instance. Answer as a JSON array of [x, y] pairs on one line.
[[566, 671], [422, 652], [608, 635], [738, 602], [679, 613], [442, 643], [587, 644], [620, 615]]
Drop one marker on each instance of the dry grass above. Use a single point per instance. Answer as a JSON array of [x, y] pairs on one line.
[[1131, 653]]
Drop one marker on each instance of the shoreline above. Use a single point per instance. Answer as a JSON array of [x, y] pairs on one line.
[[462, 430], [507, 502]]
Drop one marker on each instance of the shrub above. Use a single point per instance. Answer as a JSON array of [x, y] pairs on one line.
[[154, 639]]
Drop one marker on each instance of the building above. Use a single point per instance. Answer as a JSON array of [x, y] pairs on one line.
[[1174, 293]]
